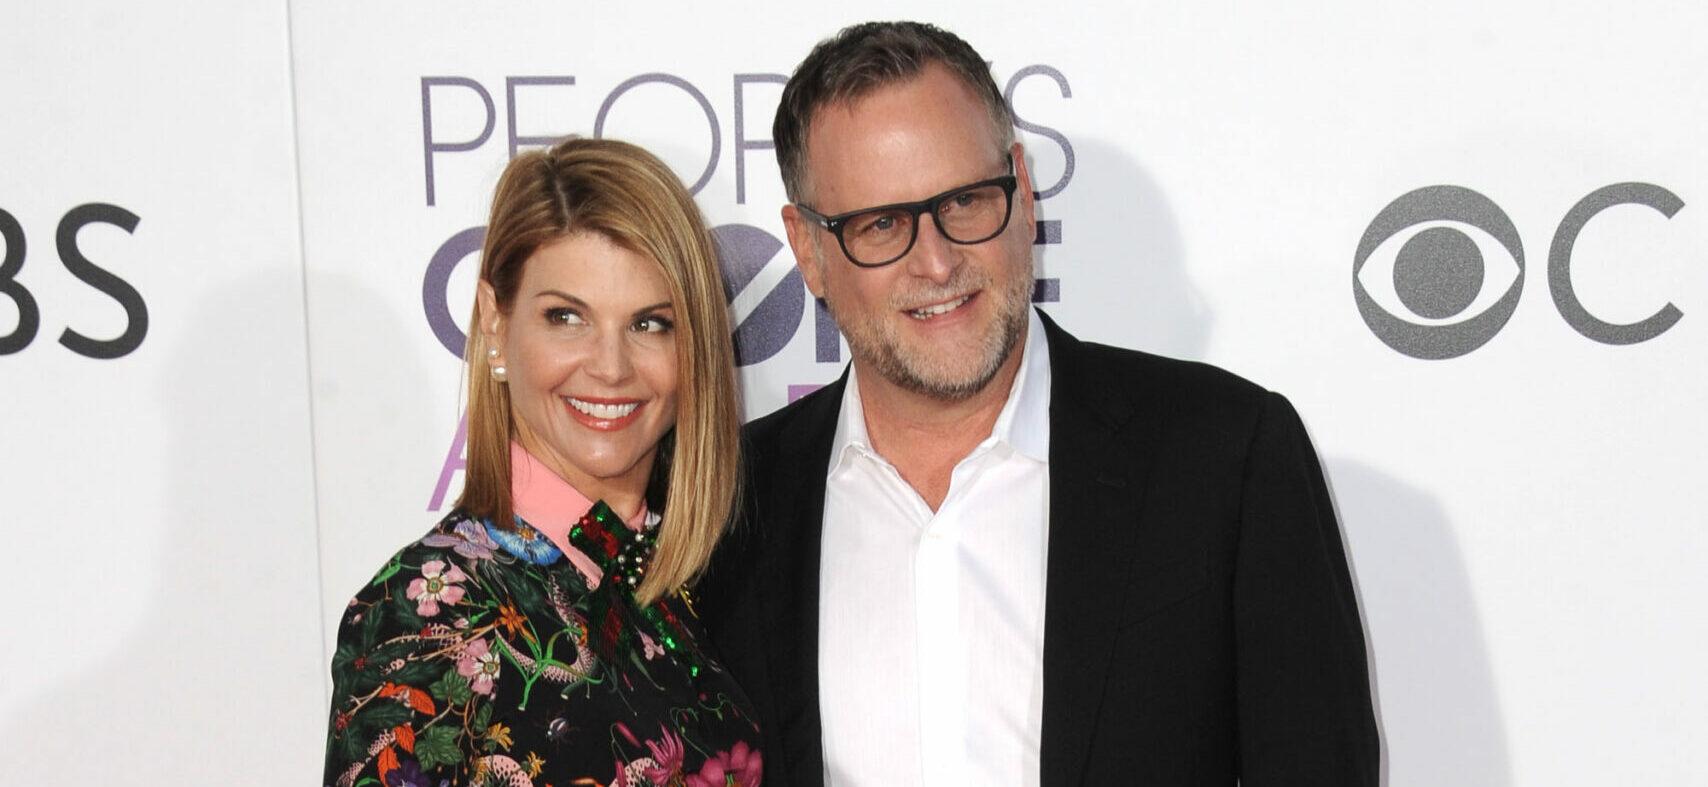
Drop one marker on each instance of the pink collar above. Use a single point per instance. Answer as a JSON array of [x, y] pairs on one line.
[[543, 499]]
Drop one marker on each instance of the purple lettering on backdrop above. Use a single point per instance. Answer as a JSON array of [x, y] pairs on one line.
[[428, 146], [743, 252], [510, 84], [438, 280], [1049, 232], [687, 87], [1054, 135], [456, 461], [741, 247], [742, 145]]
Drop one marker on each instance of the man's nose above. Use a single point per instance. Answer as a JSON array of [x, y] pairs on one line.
[[933, 256]]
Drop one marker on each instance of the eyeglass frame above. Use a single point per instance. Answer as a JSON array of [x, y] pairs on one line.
[[835, 224]]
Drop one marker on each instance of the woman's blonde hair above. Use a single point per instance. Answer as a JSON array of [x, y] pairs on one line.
[[627, 195]]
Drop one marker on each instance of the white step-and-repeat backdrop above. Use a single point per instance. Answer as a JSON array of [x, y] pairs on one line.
[[1470, 241]]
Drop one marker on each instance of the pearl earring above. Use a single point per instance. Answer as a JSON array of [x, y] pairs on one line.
[[498, 370]]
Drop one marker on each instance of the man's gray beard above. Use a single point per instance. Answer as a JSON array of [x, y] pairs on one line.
[[886, 359]]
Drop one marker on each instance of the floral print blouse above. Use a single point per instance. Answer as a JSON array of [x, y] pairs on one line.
[[480, 655]]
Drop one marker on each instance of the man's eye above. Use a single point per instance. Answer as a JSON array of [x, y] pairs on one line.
[[971, 200], [877, 224]]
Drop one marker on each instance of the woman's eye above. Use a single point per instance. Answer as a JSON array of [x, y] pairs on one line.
[[653, 324], [560, 315]]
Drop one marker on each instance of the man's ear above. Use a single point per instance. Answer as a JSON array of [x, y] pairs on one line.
[[800, 230], [490, 320], [1023, 202]]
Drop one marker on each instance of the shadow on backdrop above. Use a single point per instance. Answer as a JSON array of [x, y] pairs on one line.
[[220, 679], [361, 372], [1436, 702], [1115, 219]]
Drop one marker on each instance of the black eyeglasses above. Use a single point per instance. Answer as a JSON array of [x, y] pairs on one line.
[[875, 237]]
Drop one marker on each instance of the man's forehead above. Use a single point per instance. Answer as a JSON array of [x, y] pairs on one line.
[[916, 136]]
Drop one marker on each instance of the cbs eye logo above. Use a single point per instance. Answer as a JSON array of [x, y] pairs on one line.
[[1440, 240]]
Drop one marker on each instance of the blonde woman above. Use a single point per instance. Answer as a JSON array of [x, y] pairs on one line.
[[541, 633]]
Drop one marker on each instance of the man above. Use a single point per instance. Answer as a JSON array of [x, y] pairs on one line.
[[992, 553]]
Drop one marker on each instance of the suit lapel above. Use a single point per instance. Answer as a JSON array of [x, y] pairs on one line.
[[1096, 484], [796, 504]]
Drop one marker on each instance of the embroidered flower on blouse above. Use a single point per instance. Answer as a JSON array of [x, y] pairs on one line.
[[407, 774], [514, 622], [739, 766], [499, 735], [526, 543], [667, 753], [480, 665], [435, 584], [468, 539]]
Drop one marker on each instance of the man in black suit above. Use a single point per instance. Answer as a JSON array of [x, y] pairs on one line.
[[994, 553]]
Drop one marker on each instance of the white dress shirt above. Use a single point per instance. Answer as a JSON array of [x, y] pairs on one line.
[[931, 625]]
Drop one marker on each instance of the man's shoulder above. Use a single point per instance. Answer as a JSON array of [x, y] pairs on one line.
[[1194, 412], [815, 411], [1142, 378]]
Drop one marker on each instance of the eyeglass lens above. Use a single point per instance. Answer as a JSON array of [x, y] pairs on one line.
[[971, 215]]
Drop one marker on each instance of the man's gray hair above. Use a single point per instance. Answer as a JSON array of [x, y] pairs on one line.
[[861, 58]]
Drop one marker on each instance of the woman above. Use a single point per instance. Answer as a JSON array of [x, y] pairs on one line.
[[541, 633]]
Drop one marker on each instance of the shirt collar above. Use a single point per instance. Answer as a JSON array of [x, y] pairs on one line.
[[543, 499], [1025, 418], [1024, 422]]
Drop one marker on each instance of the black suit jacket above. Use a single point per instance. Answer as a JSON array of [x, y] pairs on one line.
[[1200, 625]]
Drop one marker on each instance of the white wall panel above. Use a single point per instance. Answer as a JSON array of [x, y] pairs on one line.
[[162, 571]]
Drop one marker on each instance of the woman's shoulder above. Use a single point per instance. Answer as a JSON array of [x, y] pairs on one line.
[[451, 549], [456, 536], [429, 638], [461, 557], [427, 581]]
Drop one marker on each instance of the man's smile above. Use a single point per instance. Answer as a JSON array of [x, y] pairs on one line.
[[935, 310]]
